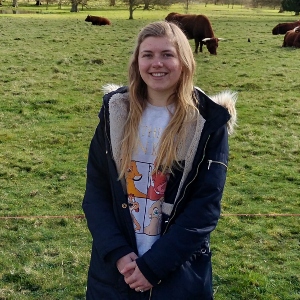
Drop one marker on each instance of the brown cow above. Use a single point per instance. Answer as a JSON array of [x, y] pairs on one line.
[[97, 20], [282, 28], [196, 27], [292, 38]]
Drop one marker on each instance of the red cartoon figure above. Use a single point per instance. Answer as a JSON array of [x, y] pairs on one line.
[[157, 186]]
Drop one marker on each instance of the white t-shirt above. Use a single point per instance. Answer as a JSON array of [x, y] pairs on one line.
[[146, 190]]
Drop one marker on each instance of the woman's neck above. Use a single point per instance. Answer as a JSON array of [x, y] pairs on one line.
[[158, 99]]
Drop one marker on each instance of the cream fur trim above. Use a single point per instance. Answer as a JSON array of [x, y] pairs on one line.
[[110, 87], [118, 111], [228, 99]]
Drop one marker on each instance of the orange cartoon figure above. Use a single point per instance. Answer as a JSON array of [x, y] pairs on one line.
[[131, 176]]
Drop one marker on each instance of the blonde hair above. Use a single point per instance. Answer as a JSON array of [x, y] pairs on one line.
[[183, 97]]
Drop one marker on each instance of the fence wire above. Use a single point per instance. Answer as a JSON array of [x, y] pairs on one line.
[[83, 216]]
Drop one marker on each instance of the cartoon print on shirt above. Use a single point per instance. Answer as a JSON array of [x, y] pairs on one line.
[[158, 183], [133, 175], [155, 219], [145, 188], [134, 206]]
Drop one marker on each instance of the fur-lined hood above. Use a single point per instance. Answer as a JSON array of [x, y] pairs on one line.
[[225, 98]]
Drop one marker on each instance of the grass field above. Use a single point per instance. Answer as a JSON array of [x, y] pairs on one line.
[[53, 65]]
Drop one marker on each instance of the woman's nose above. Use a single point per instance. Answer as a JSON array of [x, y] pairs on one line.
[[157, 63]]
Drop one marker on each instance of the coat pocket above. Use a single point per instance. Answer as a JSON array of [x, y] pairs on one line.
[[191, 281], [210, 161], [215, 173], [104, 276]]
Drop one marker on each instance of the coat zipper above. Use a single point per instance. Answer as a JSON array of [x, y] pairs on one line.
[[216, 162], [174, 211]]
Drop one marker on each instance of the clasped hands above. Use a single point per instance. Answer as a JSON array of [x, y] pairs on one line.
[[132, 274]]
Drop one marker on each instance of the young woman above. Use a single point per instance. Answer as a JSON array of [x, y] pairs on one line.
[[155, 176]]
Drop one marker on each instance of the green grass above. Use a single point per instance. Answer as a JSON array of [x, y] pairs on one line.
[[53, 65]]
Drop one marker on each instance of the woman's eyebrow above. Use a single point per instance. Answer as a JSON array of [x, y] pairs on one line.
[[166, 50]]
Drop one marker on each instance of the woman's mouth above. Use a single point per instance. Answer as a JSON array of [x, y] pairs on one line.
[[158, 74]]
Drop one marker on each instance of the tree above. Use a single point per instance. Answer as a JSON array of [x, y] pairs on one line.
[[266, 3], [146, 4], [291, 5], [75, 3], [150, 4], [133, 5], [74, 7]]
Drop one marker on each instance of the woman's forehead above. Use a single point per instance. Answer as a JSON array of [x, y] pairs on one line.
[[157, 43]]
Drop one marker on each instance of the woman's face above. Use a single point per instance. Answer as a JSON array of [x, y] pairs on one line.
[[159, 67]]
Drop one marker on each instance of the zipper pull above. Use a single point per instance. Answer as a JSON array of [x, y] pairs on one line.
[[209, 163]]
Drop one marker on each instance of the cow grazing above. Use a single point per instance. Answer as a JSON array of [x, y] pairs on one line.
[[97, 20], [292, 38], [196, 27], [282, 28]]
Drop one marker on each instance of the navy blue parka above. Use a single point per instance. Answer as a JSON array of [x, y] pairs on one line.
[[179, 264]]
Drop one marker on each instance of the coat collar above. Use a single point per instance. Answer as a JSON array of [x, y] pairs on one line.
[[210, 107]]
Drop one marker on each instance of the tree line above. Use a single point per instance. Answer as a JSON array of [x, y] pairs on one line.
[[281, 5]]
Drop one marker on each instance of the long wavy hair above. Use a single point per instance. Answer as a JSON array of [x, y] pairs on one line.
[[183, 97]]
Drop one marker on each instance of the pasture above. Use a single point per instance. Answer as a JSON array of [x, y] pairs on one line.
[[53, 65]]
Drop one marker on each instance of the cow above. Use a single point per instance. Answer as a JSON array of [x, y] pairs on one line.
[[197, 27], [292, 38], [282, 28], [97, 20]]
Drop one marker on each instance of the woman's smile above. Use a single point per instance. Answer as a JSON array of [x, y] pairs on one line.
[[158, 74]]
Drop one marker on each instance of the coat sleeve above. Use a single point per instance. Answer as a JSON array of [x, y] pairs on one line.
[[196, 219], [98, 201]]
